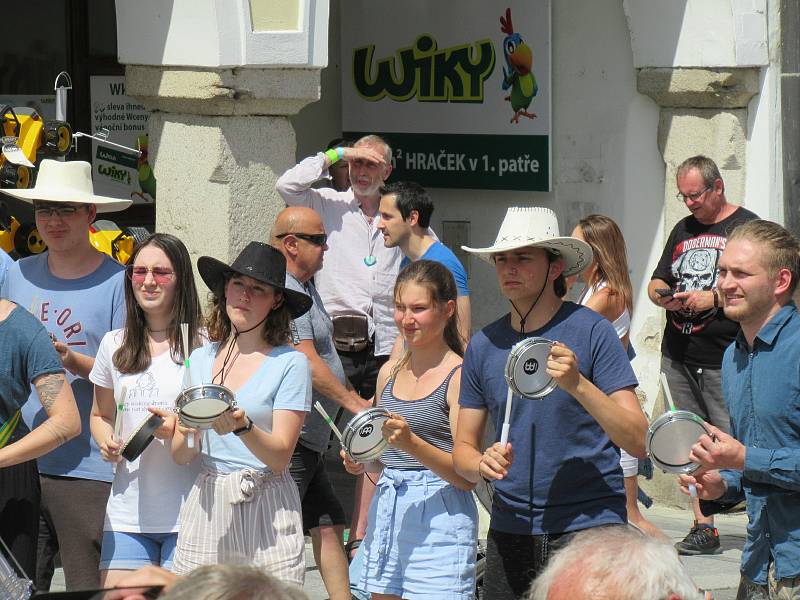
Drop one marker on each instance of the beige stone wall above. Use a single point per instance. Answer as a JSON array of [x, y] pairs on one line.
[[703, 111]]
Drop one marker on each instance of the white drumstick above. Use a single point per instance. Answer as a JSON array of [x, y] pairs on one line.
[[120, 409], [506, 419], [667, 395], [328, 420], [187, 376]]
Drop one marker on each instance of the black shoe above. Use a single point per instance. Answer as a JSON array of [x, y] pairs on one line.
[[701, 539]]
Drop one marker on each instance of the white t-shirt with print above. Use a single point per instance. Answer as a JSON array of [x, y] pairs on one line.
[[147, 494]]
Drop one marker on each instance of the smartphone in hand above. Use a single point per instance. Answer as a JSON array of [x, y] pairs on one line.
[[665, 292]]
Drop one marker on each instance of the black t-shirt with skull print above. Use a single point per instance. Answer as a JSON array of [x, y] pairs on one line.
[[689, 263]]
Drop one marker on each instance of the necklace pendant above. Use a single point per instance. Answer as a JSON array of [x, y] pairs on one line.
[[370, 260]]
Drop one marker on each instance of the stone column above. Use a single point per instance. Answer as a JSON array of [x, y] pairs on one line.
[[219, 139], [703, 111]]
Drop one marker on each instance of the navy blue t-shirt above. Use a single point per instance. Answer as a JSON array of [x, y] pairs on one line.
[[25, 353], [566, 474]]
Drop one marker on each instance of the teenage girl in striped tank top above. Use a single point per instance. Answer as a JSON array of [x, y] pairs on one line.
[[422, 533]]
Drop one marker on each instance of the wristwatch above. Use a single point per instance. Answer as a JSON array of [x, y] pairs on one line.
[[246, 429]]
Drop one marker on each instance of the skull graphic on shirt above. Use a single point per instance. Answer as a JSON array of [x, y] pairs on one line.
[[697, 269]]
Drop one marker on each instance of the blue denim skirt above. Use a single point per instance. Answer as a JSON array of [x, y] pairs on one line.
[[421, 540]]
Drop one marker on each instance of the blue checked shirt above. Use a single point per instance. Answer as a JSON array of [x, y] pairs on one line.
[[762, 390]]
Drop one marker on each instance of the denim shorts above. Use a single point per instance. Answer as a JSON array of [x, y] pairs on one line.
[[130, 550], [421, 539]]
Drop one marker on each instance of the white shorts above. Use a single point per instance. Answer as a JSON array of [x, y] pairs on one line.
[[246, 516]]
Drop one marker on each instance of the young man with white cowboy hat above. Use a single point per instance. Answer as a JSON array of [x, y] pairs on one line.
[[77, 293], [559, 471]]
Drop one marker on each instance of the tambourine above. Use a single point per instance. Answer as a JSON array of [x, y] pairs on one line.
[[362, 438], [140, 439], [670, 439], [200, 405], [526, 368]]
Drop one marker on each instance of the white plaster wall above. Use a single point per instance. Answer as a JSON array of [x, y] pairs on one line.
[[216, 33], [764, 176], [698, 33]]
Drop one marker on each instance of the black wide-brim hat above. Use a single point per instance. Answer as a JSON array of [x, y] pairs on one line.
[[261, 262]]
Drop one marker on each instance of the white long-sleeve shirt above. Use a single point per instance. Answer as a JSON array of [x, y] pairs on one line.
[[346, 283]]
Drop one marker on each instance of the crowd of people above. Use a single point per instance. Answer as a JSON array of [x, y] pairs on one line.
[[353, 305]]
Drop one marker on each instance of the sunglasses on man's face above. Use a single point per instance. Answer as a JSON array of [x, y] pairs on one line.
[[318, 239]]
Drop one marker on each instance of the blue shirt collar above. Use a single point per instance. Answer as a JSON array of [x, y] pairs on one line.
[[769, 332]]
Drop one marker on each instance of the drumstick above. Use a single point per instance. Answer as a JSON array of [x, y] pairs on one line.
[[120, 409], [187, 376], [667, 395], [506, 419], [328, 420]]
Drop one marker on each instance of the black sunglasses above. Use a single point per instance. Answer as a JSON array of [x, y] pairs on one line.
[[318, 239]]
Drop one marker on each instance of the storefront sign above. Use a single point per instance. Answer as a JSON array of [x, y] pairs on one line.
[[117, 172], [461, 91]]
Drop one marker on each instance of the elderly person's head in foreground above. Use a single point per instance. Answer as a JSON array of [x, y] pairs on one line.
[[232, 582], [614, 563]]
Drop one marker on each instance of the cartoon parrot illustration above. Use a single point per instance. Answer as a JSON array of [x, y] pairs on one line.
[[519, 76]]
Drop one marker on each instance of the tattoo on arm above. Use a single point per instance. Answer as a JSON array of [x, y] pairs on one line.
[[48, 388], [56, 430]]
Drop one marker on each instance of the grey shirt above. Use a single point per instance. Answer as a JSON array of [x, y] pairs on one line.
[[316, 325]]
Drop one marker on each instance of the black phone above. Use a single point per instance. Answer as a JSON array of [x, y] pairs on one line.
[[665, 292]]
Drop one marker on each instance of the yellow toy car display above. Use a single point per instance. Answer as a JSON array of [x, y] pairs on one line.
[[26, 139]]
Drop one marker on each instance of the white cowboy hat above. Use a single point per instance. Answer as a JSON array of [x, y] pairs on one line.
[[537, 226], [67, 182]]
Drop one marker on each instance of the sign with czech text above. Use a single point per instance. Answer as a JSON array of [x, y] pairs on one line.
[[118, 171], [460, 90]]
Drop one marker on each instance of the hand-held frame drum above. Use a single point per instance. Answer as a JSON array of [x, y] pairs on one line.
[[526, 375], [362, 437], [670, 439], [200, 405], [140, 439], [526, 368]]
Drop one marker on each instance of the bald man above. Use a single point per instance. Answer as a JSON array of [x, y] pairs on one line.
[[299, 234]]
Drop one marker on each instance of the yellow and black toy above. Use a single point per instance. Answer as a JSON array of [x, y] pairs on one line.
[[26, 139], [118, 243], [23, 239]]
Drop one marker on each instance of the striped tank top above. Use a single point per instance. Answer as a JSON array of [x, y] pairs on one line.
[[428, 418]]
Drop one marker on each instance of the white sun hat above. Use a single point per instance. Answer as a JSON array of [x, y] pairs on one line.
[[67, 182], [535, 226]]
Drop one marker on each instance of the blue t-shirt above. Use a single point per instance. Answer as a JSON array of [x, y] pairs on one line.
[[566, 474], [283, 381], [442, 254], [5, 263], [25, 353], [78, 312]]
